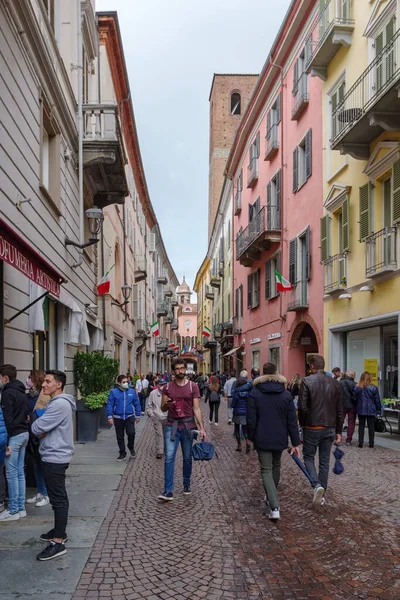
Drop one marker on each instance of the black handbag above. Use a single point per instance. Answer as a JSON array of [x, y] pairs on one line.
[[380, 426]]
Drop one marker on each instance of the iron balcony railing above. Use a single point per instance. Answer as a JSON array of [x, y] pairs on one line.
[[162, 308], [271, 141], [267, 219], [335, 12], [382, 73], [381, 252], [335, 273], [298, 297], [300, 96], [252, 171]]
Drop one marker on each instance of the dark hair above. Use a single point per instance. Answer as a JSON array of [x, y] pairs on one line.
[[8, 371], [269, 368], [59, 376], [255, 372], [232, 374], [336, 370], [37, 378], [317, 361], [240, 381], [178, 361], [121, 377]]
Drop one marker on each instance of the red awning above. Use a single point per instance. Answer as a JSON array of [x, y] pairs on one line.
[[15, 251]]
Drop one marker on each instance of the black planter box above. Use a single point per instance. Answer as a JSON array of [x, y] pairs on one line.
[[87, 423]]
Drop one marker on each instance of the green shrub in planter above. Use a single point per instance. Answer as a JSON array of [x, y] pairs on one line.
[[94, 401], [94, 374]]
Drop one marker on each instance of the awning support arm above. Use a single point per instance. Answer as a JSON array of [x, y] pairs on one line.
[[7, 321]]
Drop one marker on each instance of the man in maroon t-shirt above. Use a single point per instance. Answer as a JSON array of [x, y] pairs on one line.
[[181, 398]]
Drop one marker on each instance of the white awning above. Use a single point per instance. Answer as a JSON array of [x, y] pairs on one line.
[[232, 351]]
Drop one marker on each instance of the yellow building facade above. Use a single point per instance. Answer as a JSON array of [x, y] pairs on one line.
[[204, 314], [354, 48]]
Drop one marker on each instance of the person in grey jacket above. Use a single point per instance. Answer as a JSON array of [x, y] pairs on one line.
[[54, 428]]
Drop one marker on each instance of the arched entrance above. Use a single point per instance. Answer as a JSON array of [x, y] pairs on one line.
[[304, 340]]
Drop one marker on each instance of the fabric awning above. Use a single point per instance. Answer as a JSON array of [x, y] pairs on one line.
[[232, 351], [15, 251]]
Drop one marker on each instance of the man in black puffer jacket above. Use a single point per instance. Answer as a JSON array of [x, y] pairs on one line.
[[271, 418]]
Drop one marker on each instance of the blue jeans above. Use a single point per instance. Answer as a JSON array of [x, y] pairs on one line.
[[40, 483], [170, 452], [15, 472], [321, 440]]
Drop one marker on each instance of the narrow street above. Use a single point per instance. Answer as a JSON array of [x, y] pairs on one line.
[[218, 543]]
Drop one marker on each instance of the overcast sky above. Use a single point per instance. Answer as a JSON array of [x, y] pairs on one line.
[[172, 49]]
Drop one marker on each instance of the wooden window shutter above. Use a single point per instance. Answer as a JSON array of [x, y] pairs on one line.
[[295, 78], [258, 144], [277, 268], [278, 198], [365, 212], [293, 261], [268, 280], [256, 288], [249, 291], [240, 181], [256, 208], [237, 302], [379, 66], [269, 207], [222, 249], [268, 125], [295, 170], [241, 300], [346, 224], [308, 153], [308, 256], [324, 239], [396, 192], [278, 108]]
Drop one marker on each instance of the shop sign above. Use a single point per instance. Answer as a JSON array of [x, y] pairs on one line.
[[17, 255], [274, 336], [371, 365], [255, 341], [305, 341]]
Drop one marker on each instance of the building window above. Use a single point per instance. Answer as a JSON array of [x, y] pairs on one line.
[[275, 357], [255, 359], [235, 103], [50, 158], [239, 301], [129, 365], [254, 209], [302, 162], [386, 65], [274, 203], [238, 194], [300, 86], [253, 289], [45, 342], [272, 265], [117, 348], [252, 169], [273, 120]]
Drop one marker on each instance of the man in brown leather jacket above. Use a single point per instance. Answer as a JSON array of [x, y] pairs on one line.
[[321, 417]]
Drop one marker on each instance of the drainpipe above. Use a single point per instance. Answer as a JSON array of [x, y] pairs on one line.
[[80, 123], [124, 239], [103, 298]]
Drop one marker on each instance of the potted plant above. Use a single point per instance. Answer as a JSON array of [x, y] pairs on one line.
[[94, 376]]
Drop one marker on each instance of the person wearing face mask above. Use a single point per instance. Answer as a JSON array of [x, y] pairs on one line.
[[123, 411]]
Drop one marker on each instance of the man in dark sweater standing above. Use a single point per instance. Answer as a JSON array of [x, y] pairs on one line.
[[271, 418], [14, 403]]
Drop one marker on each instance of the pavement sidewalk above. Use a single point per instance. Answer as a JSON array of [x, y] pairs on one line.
[[92, 481]]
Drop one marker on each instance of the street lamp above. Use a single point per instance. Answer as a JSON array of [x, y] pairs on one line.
[[126, 293], [95, 217]]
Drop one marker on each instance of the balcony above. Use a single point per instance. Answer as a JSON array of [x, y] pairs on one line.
[[252, 172], [221, 268], [298, 297], [238, 202], [209, 343], [103, 154], [140, 272], [162, 309], [162, 276], [218, 330], [371, 106], [174, 325], [258, 235], [237, 325], [215, 281], [381, 252], [141, 328], [174, 300], [168, 293], [300, 97], [271, 142], [162, 344], [335, 269], [209, 293], [169, 317], [332, 30]]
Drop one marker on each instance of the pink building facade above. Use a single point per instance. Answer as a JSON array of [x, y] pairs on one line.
[[276, 168]]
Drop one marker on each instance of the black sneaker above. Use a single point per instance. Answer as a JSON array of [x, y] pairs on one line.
[[166, 496], [186, 490], [48, 537], [132, 454], [52, 551], [121, 456]]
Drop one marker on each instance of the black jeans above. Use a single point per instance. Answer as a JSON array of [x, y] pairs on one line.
[[142, 400], [122, 426], [321, 440], [361, 428], [214, 408], [54, 476]]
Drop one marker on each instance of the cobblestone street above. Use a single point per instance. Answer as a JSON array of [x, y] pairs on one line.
[[218, 543]]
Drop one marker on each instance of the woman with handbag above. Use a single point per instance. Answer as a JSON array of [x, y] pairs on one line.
[[214, 398], [368, 405]]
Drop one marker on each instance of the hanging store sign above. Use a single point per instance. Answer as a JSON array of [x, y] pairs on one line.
[[16, 252]]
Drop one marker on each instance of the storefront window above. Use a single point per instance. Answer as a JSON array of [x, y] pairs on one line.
[[45, 342], [275, 357], [390, 361]]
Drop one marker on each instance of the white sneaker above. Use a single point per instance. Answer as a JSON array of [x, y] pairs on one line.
[[44, 501], [34, 499], [7, 516], [216, 424], [318, 495], [274, 515], [323, 501], [22, 514]]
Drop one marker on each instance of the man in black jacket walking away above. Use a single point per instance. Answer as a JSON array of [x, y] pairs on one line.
[[271, 418], [349, 403], [321, 417]]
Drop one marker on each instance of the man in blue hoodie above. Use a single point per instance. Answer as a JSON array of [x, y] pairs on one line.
[[122, 405], [54, 428]]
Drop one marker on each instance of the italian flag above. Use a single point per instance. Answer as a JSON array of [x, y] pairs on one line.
[[170, 346], [103, 287], [176, 348], [206, 332], [282, 284], [155, 330]]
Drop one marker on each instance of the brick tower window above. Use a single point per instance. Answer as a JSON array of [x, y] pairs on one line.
[[235, 104]]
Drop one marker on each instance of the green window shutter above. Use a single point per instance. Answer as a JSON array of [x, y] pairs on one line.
[[346, 224], [277, 267], [324, 239], [308, 255], [396, 192], [295, 78], [258, 144], [250, 291], [378, 43], [278, 109], [278, 190], [256, 288], [365, 212], [241, 300], [379, 66], [268, 125], [268, 280], [293, 261], [390, 29], [308, 153], [295, 170]]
